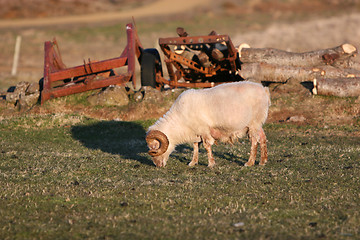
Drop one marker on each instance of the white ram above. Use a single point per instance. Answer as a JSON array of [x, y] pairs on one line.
[[225, 113]]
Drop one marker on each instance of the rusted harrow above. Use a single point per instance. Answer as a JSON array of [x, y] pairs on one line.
[[60, 81], [202, 61]]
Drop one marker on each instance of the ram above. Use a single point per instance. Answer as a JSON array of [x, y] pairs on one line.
[[222, 113]]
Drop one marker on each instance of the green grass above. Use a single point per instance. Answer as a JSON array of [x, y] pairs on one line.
[[70, 177]]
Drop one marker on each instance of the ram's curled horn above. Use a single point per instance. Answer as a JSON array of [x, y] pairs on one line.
[[160, 138]]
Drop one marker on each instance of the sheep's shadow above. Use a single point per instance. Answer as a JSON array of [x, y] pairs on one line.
[[126, 139], [184, 154]]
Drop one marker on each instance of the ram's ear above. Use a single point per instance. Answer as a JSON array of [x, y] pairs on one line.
[[157, 142]]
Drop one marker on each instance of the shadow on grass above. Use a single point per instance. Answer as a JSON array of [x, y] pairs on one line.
[[220, 151], [126, 139]]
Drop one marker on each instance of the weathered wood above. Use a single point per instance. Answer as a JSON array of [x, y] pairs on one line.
[[280, 73], [331, 56], [351, 65], [342, 87]]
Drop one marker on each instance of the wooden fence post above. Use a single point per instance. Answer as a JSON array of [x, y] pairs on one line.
[[16, 56]]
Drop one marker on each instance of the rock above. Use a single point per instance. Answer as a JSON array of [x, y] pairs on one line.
[[239, 224], [296, 119], [111, 96], [151, 94], [138, 96], [33, 88], [21, 87], [27, 101], [12, 97]]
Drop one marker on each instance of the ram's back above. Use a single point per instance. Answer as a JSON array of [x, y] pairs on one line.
[[229, 106]]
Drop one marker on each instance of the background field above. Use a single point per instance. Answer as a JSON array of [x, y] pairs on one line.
[[69, 170]]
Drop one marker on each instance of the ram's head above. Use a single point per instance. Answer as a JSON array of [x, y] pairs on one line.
[[158, 144]]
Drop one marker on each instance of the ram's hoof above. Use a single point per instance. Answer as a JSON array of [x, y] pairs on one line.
[[248, 164], [191, 164], [211, 165]]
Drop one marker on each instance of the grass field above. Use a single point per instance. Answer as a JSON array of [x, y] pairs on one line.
[[71, 177]]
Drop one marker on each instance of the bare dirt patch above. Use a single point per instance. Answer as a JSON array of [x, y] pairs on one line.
[[68, 12], [20, 9]]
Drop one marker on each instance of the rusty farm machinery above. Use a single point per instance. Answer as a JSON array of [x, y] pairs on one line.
[[199, 61]]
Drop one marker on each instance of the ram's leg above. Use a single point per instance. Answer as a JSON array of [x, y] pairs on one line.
[[207, 146], [253, 151], [263, 148], [195, 157]]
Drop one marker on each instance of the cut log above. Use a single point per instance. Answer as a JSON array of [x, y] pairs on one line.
[[241, 46], [341, 87], [276, 73], [352, 65], [332, 56]]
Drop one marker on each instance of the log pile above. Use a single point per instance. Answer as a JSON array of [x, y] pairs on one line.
[[332, 71]]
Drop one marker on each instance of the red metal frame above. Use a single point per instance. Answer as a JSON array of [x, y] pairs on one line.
[[60, 81]]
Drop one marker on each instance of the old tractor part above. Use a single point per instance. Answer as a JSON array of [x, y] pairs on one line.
[[62, 81], [202, 61]]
